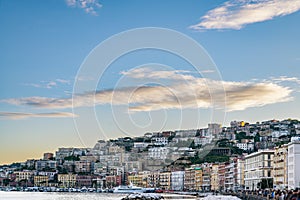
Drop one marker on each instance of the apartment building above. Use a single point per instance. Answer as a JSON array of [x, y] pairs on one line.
[[206, 184], [240, 173], [189, 179], [280, 167], [177, 180], [67, 180], [214, 177], [23, 175], [294, 164], [259, 170], [40, 181], [165, 180], [198, 178]]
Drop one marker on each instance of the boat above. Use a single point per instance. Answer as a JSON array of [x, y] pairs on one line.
[[128, 189]]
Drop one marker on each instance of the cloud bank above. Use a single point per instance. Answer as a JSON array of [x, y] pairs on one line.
[[184, 91], [89, 6], [19, 115], [235, 14]]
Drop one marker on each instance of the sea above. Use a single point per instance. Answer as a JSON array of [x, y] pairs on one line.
[[88, 196]]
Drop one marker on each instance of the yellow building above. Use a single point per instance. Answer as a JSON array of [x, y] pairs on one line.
[[214, 177], [67, 180], [139, 179], [198, 178], [40, 181], [165, 180], [23, 175], [280, 167]]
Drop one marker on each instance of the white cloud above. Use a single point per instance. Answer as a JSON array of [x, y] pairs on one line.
[[48, 84], [192, 92], [89, 6], [286, 79], [18, 115], [235, 14], [149, 73]]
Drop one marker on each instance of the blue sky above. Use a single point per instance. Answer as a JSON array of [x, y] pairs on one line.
[[254, 44]]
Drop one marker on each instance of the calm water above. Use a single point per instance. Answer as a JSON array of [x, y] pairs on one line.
[[59, 196], [87, 196]]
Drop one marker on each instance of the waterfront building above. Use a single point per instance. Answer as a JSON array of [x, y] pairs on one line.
[[221, 176], [214, 177], [40, 181], [206, 184], [240, 173], [177, 180], [23, 175], [259, 170], [83, 181], [113, 181], [280, 167], [198, 178], [153, 179], [165, 180], [189, 179], [139, 179], [294, 164], [67, 180]]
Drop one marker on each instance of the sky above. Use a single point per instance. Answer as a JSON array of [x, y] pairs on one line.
[[249, 68]]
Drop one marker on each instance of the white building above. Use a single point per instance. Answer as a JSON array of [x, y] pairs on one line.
[[159, 141], [258, 169], [294, 164], [140, 145], [186, 133], [240, 173], [246, 146], [177, 180], [158, 153]]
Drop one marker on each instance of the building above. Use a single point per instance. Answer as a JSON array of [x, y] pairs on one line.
[[153, 179], [84, 181], [240, 174], [189, 179], [159, 141], [214, 177], [45, 165], [246, 146], [165, 180], [206, 184], [48, 156], [67, 180], [198, 178], [50, 175], [177, 180], [280, 167], [139, 179], [294, 164], [82, 166], [159, 153], [40, 181], [113, 181], [214, 129], [259, 170], [231, 175], [23, 175], [221, 176]]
